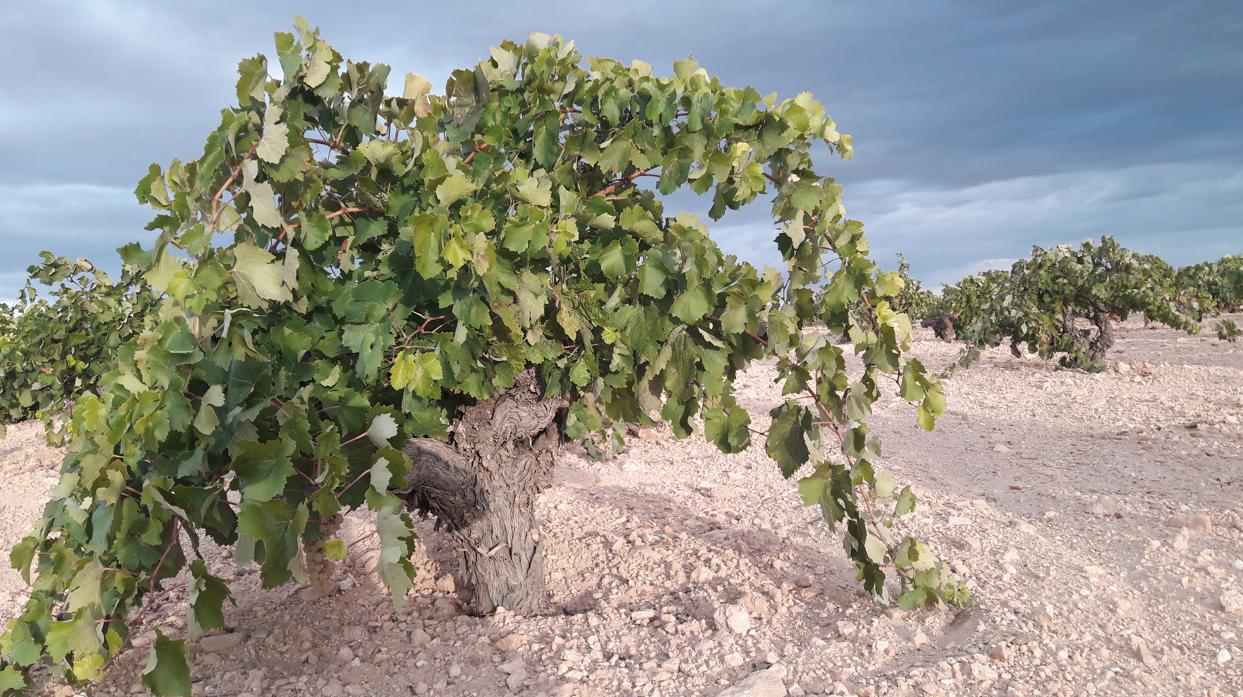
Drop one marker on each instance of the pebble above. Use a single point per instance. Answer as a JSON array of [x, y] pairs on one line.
[[1197, 522], [510, 642], [1223, 657], [1231, 601], [769, 682], [737, 619], [215, 643], [512, 666], [1181, 541]]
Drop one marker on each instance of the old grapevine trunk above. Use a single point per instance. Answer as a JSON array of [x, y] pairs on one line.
[[942, 326], [481, 488], [1093, 344]]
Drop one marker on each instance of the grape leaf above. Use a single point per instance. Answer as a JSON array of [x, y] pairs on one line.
[[167, 674]]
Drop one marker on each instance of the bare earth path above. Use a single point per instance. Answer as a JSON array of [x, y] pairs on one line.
[[1099, 519]]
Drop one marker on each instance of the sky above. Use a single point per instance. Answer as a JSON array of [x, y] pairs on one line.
[[980, 129]]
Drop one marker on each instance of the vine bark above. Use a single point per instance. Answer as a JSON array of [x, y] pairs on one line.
[[481, 488]]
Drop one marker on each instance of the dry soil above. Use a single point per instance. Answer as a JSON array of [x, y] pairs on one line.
[[1096, 516]]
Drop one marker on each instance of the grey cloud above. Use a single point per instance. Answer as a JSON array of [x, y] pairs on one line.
[[965, 114]]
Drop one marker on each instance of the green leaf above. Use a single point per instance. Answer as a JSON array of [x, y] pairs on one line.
[[23, 650], [685, 68], [278, 527], [317, 70], [905, 504], [692, 305], [206, 595], [206, 420], [652, 279], [727, 428], [11, 680], [786, 442], [912, 376], [885, 485], [613, 261], [812, 489], [913, 599], [369, 341], [167, 674], [161, 275], [315, 231], [85, 589], [258, 279], [263, 468], [396, 542], [76, 636], [428, 230], [252, 74], [875, 549], [262, 198], [22, 555], [580, 374], [547, 143]]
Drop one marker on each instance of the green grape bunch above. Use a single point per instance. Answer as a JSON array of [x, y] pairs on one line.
[[406, 302]]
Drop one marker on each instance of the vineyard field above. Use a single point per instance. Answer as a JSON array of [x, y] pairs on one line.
[[1095, 516]]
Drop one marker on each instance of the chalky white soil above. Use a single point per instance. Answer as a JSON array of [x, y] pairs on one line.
[[1098, 518]]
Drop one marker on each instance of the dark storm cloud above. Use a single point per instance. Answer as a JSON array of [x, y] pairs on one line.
[[981, 128]]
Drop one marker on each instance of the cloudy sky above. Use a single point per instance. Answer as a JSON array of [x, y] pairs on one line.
[[980, 128]]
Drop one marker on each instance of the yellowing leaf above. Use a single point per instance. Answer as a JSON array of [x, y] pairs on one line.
[[418, 89], [455, 188], [317, 70], [536, 191]]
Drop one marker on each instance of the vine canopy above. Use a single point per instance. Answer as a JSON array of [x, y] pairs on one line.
[[342, 269]]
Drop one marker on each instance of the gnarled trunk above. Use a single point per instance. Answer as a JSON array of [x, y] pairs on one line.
[[942, 325], [1093, 344], [481, 488]]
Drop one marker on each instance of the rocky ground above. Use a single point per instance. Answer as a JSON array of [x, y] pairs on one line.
[[1096, 516]]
